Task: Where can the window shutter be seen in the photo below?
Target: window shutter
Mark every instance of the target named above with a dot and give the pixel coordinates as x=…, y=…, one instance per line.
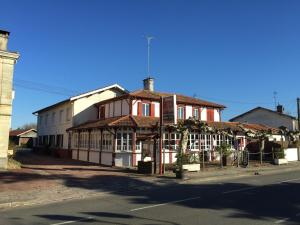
x=210, y=114
x=152, y=110
x=140, y=109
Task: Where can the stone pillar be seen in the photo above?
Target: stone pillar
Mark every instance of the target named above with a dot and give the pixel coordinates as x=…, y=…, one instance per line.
x=7, y=61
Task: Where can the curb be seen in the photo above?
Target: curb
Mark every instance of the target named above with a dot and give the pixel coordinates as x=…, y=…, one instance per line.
x=241, y=174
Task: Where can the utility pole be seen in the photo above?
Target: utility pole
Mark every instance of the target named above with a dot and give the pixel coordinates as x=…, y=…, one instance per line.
x=298, y=110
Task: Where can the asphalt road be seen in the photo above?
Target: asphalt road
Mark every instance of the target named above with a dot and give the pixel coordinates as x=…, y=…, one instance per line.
x=256, y=200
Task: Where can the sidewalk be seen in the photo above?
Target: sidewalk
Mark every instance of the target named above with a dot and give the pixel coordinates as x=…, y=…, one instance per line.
x=45, y=179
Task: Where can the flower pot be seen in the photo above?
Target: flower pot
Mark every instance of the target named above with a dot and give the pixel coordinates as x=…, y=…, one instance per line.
x=181, y=174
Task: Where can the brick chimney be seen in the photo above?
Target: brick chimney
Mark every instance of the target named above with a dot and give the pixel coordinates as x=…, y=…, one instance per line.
x=280, y=109
x=149, y=84
x=3, y=40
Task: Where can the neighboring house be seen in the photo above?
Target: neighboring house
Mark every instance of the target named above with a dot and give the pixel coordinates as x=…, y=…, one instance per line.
x=128, y=124
x=22, y=137
x=54, y=120
x=268, y=117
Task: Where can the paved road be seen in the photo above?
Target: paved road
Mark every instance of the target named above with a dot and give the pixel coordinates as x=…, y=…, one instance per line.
x=256, y=200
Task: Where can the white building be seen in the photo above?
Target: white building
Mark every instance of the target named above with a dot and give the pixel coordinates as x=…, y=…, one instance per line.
x=260, y=115
x=54, y=120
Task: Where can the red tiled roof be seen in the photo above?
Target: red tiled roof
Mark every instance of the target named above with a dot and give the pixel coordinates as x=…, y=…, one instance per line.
x=154, y=95
x=149, y=122
x=124, y=121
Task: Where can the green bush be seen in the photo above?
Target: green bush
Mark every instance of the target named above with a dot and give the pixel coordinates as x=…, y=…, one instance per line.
x=224, y=149
x=279, y=153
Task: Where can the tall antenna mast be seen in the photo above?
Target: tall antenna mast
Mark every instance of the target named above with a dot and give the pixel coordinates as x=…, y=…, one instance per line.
x=275, y=98
x=149, y=38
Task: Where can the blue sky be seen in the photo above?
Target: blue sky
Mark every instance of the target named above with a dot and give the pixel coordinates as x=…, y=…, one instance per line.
x=236, y=53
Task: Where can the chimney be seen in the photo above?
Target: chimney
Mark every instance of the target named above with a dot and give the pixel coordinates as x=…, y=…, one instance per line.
x=149, y=84
x=3, y=40
x=280, y=108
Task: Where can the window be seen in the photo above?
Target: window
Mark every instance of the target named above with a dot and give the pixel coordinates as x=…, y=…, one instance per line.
x=180, y=115
x=75, y=140
x=193, y=142
x=174, y=141
x=41, y=120
x=59, y=140
x=46, y=120
x=53, y=118
x=107, y=141
x=124, y=140
x=196, y=113
x=205, y=142
x=68, y=114
x=166, y=141
x=84, y=140
x=52, y=140
x=61, y=115
x=146, y=109
x=102, y=112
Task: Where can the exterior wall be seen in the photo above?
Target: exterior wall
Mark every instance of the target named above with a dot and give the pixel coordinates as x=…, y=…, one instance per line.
x=7, y=61
x=291, y=154
x=81, y=110
x=261, y=116
x=116, y=108
x=135, y=107
x=203, y=114
x=56, y=126
x=188, y=111
x=217, y=115
x=84, y=108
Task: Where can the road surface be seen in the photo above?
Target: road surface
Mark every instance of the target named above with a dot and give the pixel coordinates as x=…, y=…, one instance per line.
x=255, y=200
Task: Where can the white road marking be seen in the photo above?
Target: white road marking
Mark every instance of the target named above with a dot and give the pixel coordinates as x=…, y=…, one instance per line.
x=72, y=221
x=225, y=192
x=286, y=181
x=238, y=190
x=166, y=203
x=282, y=220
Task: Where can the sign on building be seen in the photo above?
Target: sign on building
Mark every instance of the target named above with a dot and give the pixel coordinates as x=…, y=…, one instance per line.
x=169, y=112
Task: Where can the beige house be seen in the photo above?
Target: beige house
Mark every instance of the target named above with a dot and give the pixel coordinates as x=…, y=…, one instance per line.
x=7, y=62
x=54, y=120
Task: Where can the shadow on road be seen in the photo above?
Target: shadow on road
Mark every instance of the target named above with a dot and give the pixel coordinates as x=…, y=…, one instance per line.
x=268, y=202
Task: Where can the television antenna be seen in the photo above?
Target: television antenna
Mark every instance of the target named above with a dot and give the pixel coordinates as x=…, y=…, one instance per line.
x=149, y=38
x=275, y=98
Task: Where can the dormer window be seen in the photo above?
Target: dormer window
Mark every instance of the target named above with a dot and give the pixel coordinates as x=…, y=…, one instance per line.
x=180, y=112
x=146, y=109
x=196, y=113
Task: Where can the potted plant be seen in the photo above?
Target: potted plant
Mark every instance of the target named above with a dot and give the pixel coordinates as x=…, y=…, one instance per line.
x=279, y=157
x=224, y=150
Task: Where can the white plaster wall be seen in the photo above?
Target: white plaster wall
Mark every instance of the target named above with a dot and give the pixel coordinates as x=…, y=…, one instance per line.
x=106, y=158
x=157, y=108
x=94, y=156
x=267, y=118
x=291, y=154
x=57, y=127
x=188, y=111
x=203, y=114
x=74, y=154
x=84, y=108
x=135, y=107
x=83, y=155
x=217, y=115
